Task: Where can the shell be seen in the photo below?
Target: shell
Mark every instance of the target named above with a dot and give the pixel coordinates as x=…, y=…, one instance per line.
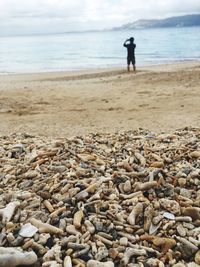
x=169, y=215
x=153, y=228
x=28, y=230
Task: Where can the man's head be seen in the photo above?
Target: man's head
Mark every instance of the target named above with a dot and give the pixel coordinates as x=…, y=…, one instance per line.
x=131, y=39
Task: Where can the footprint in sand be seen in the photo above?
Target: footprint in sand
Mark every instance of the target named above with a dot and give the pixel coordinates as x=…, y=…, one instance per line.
x=143, y=105
x=111, y=109
x=105, y=100
x=144, y=93
x=77, y=109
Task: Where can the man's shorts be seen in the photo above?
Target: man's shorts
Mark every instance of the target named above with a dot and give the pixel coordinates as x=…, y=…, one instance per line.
x=131, y=60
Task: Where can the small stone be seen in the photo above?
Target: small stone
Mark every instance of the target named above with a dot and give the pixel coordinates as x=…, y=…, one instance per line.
x=195, y=154
x=181, y=230
x=158, y=164
x=113, y=253
x=185, y=193
x=192, y=264
x=94, y=263
x=170, y=205
x=197, y=257
x=127, y=186
x=82, y=195
x=179, y=265
x=123, y=241
x=192, y=212
x=182, y=182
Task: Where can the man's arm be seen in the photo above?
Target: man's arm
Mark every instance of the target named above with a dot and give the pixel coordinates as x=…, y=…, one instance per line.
x=125, y=43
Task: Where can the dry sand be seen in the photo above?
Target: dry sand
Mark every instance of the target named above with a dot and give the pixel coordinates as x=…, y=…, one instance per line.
x=159, y=98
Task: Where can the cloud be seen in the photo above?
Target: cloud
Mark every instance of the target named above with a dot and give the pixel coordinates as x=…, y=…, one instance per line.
x=54, y=15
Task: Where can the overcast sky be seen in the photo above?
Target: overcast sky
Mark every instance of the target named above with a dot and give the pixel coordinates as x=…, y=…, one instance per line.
x=45, y=16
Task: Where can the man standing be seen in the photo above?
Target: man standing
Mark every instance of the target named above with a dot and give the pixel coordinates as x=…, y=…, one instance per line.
x=131, y=53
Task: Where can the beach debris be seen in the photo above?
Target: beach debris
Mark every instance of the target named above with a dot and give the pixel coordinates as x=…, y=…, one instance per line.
x=7, y=212
x=45, y=227
x=67, y=262
x=94, y=263
x=11, y=257
x=169, y=215
x=100, y=200
x=28, y=230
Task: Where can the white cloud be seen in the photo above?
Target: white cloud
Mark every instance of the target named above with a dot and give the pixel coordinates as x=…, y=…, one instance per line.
x=62, y=15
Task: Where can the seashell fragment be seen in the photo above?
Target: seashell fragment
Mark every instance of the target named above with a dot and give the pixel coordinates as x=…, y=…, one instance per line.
x=153, y=228
x=28, y=230
x=169, y=215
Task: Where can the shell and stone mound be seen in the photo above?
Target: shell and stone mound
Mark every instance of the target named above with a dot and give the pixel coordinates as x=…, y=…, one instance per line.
x=104, y=200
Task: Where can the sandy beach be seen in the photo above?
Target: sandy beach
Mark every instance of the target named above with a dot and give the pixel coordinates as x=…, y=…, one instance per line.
x=101, y=200
x=157, y=98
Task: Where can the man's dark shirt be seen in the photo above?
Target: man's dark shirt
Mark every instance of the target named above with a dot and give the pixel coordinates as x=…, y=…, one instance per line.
x=131, y=49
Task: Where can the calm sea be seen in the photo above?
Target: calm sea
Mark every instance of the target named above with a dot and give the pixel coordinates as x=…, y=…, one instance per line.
x=80, y=51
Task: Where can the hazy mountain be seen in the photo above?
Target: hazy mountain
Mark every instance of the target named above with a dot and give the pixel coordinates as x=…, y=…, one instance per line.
x=181, y=21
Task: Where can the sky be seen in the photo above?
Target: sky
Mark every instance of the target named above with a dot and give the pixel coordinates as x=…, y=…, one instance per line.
x=49, y=16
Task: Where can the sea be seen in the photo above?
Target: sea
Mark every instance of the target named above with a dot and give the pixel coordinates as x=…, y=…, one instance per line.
x=96, y=50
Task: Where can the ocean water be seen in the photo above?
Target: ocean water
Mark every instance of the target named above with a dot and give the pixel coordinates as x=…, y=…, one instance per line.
x=93, y=50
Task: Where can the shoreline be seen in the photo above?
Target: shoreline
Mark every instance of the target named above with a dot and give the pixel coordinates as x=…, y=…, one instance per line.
x=173, y=64
x=64, y=104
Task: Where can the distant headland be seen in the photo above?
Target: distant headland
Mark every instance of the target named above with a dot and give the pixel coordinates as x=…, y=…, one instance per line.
x=180, y=21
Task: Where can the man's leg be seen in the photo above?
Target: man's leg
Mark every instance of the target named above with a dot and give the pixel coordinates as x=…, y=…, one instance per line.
x=128, y=63
x=133, y=62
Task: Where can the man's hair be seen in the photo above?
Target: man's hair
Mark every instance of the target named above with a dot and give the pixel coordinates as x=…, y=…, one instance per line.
x=131, y=39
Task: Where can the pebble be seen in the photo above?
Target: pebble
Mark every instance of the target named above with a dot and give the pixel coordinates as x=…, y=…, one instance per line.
x=197, y=257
